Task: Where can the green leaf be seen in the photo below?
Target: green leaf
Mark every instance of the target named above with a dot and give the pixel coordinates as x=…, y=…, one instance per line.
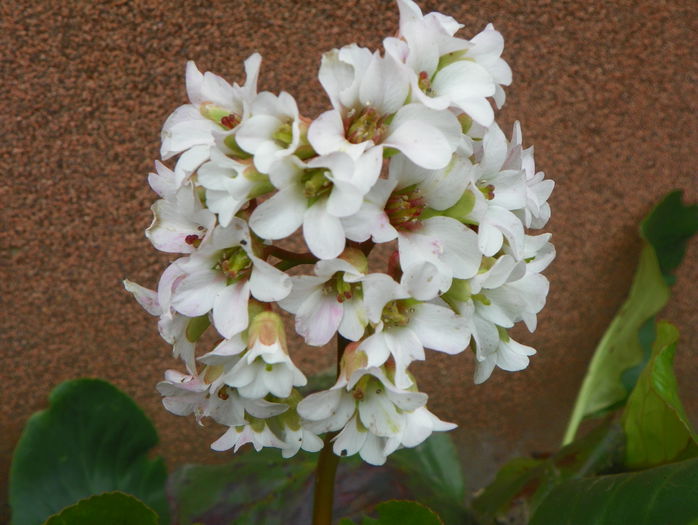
x=666, y=230
x=111, y=508
x=92, y=439
x=667, y=494
x=400, y=513
x=263, y=487
x=256, y=487
x=656, y=427
x=433, y=473
x=522, y=483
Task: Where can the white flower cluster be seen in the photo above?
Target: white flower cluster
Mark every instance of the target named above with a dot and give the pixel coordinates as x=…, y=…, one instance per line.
x=409, y=154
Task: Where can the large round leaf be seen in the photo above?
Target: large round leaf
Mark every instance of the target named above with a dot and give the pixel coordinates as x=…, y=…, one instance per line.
x=92, y=439
x=111, y=508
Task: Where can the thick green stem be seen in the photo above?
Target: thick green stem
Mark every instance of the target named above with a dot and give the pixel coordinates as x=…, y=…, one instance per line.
x=327, y=465
x=324, y=483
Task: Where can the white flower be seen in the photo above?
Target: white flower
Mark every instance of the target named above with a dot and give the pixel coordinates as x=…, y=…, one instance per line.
x=221, y=275
x=215, y=107
x=375, y=416
x=229, y=185
x=368, y=93
x=272, y=131
x=265, y=368
x=316, y=194
x=537, y=210
x=331, y=301
x=207, y=396
x=404, y=327
x=171, y=325
x=509, y=355
x=180, y=223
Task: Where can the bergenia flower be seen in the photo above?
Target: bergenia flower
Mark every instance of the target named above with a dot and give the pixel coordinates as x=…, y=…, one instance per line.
x=221, y=275
x=414, y=211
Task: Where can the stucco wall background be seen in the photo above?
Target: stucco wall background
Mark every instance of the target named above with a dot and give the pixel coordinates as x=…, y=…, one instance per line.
x=606, y=91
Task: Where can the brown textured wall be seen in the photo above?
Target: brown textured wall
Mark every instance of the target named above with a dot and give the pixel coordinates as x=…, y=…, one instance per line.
x=605, y=91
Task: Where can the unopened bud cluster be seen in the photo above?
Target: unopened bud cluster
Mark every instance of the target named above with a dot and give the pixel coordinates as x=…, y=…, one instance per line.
x=409, y=155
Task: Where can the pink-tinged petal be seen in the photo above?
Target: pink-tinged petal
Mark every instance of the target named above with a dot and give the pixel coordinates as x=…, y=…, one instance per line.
x=280, y=215
x=148, y=299
x=318, y=318
x=230, y=315
x=268, y=283
x=322, y=231
x=326, y=132
x=196, y=293
x=169, y=280
x=354, y=319
x=439, y=328
x=303, y=286
x=460, y=245
x=427, y=137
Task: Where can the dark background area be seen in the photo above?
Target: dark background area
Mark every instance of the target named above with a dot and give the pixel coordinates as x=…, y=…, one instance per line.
x=605, y=91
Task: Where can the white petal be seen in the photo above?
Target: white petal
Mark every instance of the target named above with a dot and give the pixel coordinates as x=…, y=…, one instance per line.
x=323, y=232
x=350, y=440
x=230, y=315
x=427, y=137
x=303, y=287
x=148, y=299
x=196, y=293
x=318, y=318
x=279, y=216
x=439, y=328
x=354, y=319
x=378, y=413
x=268, y=283
x=326, y=133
